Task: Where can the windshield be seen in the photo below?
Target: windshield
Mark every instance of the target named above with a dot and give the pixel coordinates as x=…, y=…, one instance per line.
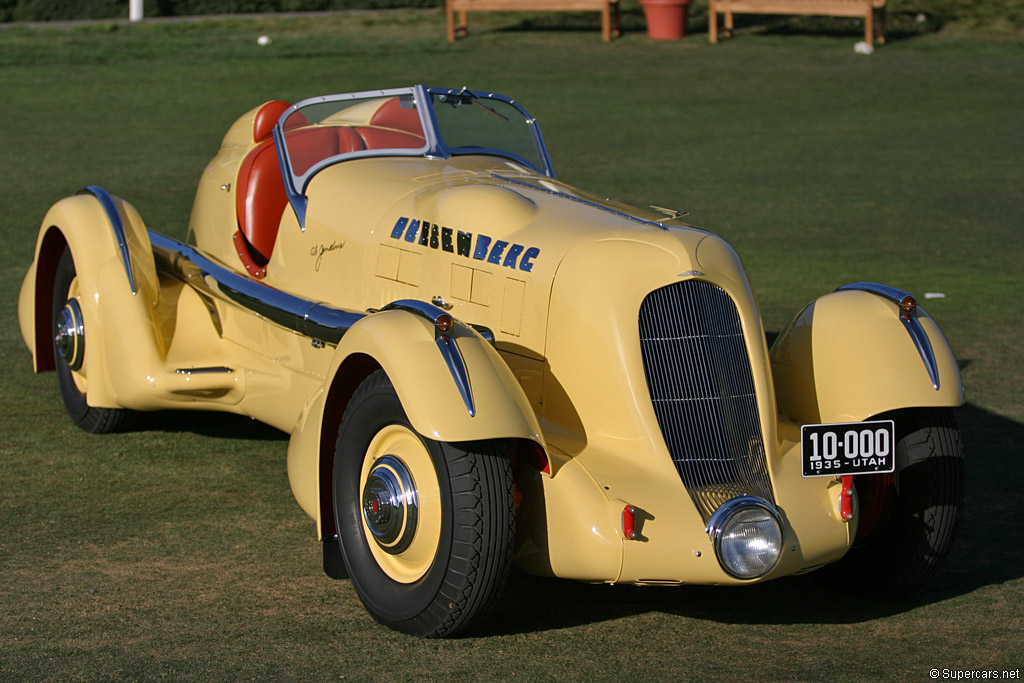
x=321, y=131
x=473, y=123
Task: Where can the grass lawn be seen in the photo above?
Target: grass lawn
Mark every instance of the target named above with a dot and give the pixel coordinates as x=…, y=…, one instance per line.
x=176, y=551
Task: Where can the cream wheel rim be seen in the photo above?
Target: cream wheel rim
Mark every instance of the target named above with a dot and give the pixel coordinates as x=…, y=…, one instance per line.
x=400, y=501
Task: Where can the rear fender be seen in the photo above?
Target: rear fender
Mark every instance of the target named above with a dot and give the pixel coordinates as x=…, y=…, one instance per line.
x=849, y=355
x=118, y=284
x=403, y=344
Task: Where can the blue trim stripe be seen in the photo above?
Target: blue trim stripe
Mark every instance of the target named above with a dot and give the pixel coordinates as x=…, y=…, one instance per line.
x=114, y=216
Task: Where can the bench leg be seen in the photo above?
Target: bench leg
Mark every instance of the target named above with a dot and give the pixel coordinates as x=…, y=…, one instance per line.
x=606, y=23
x=712, y=22
x=449, y=14
x=869, y=26
x=728, y=24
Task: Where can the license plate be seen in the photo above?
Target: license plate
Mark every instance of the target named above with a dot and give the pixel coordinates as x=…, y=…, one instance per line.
x=832, y=450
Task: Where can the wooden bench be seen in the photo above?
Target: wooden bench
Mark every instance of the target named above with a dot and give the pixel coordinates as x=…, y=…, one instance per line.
x=609, y=10
x=832, y=8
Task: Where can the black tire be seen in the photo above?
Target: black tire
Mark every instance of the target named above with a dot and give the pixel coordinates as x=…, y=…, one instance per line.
x=91, y=419
x=917, y=510
x=438, y=575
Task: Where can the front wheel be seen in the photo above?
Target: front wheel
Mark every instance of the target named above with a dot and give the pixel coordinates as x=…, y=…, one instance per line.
x=908, y=518
x=69, y=349
x=426, y=527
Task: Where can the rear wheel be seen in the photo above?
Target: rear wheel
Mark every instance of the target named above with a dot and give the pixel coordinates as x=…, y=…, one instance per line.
x=908, y=518
x=69, y=351
x=426, y=527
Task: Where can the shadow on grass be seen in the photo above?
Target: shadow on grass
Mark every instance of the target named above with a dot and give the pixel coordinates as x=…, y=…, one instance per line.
x=985, y=553
x=205, y=423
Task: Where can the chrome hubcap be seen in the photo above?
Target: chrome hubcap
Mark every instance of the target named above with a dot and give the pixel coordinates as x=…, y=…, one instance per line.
x=70, y=335
x=390, y=505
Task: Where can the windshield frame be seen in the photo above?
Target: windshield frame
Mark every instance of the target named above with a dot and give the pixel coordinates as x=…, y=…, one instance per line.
x=433, y=147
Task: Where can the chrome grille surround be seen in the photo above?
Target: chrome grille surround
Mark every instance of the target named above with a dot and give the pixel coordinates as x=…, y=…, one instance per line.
x=699, y=376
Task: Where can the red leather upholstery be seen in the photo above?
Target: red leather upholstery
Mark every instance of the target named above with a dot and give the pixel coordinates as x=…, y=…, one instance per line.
x=381, y=138
x=393, y=127
x=266, y=117
x=260, y=198
x=393, y=115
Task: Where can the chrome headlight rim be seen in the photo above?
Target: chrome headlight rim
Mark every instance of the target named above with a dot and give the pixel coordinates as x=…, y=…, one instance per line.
x=719, y=523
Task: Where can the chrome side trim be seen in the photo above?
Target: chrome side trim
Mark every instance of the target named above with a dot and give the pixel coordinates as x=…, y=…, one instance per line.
x=110, y=208
x=311, y=319
x=305, y=317
x=909, y=320
x=214, y=370
x=421, y=308
x=580, y=200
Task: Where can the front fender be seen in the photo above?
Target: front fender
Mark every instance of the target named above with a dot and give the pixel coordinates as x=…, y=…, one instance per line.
x=116, y=277
x=848, y=356
x=403, y=344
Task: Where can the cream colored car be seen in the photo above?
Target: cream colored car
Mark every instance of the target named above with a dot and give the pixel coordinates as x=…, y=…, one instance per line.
x=478, y=364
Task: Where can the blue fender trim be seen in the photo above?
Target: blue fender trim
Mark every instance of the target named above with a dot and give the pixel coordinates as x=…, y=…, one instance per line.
x=909, y=320
x=114, y=216
x=446, y=344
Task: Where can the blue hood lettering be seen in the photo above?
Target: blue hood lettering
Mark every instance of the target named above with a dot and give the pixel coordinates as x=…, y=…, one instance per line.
x=433, y=236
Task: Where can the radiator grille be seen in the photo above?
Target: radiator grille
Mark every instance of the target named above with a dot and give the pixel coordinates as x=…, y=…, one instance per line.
x=699, y=377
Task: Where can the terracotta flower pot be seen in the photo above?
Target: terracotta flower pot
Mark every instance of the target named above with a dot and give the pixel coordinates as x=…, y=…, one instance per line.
x=666, y=19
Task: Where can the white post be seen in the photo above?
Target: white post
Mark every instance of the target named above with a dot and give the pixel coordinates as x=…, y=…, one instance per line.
x=134, y=10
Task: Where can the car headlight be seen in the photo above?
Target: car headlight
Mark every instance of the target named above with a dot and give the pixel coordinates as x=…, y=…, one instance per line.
x=747, y=536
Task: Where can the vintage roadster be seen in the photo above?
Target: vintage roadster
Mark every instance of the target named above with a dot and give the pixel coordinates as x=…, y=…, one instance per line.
x=479, y=364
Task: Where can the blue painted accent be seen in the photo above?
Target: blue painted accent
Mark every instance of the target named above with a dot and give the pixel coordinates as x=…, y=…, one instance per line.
x=445, y=344
x=482, y=243
x=413, y=231
x=456, y=366
x=399, y=228
x=924, y=347
x=527, y=262
x=114, y=216
x=496, y=251
x=513, y=255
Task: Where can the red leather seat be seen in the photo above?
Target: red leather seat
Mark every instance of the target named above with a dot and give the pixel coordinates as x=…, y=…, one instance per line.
x=260, y=198
x=259, y=194
x=393, y=127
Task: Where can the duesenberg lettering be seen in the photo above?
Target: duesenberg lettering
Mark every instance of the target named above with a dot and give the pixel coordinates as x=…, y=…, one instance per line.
x=319, y=250
x=434, y=236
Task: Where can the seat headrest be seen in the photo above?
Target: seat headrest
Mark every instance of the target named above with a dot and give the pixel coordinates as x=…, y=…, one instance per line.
x=266, y=117
x=393, y=115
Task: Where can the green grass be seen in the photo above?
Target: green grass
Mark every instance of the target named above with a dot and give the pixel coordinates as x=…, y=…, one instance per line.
x=176, y=551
